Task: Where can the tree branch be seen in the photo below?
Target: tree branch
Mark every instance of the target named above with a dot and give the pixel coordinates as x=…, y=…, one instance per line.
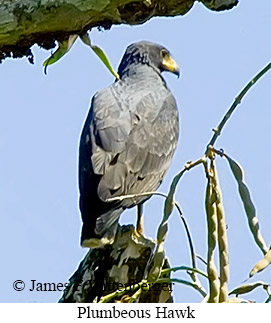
x=115, y=273
x=24, y=23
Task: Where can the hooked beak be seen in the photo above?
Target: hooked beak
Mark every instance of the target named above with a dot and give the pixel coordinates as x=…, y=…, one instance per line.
x=170, y=65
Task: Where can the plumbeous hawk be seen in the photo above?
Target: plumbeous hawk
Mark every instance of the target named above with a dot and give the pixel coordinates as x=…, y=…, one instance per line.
x=128, y=140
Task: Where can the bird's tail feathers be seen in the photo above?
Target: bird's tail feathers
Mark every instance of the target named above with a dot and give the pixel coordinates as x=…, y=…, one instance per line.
x=104, y=232
x=106, y=221
x=99, y=242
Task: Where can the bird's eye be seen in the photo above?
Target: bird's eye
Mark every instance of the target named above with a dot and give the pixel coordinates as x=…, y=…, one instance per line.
x=164, y=53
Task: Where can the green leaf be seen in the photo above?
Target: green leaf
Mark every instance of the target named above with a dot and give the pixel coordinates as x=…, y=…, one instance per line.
x=243, y=289
x=63, y=48
x=99, y=52
x=262, y=264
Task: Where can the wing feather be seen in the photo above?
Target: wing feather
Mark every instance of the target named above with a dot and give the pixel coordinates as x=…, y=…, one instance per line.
x=128, y=142
x=147, y=149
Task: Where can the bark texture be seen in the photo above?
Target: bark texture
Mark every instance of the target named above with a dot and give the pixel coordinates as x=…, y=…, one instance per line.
x=24, y=23
x=120, y=266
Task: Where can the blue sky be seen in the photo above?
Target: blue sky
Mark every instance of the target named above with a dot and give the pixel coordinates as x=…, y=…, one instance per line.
x=41, y=118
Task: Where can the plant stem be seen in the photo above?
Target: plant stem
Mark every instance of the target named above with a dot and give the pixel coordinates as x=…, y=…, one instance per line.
x=238, y=99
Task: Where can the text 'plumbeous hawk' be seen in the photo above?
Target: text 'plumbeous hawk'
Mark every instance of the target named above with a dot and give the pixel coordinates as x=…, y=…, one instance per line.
x=127, y=142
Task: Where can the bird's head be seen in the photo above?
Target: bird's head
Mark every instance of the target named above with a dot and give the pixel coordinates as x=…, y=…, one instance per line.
x=154, y=55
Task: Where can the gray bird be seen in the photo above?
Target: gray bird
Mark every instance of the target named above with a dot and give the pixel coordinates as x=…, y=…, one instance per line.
x=127, y=142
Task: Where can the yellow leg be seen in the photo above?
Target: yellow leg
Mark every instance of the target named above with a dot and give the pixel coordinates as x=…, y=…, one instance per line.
x=139, y=223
